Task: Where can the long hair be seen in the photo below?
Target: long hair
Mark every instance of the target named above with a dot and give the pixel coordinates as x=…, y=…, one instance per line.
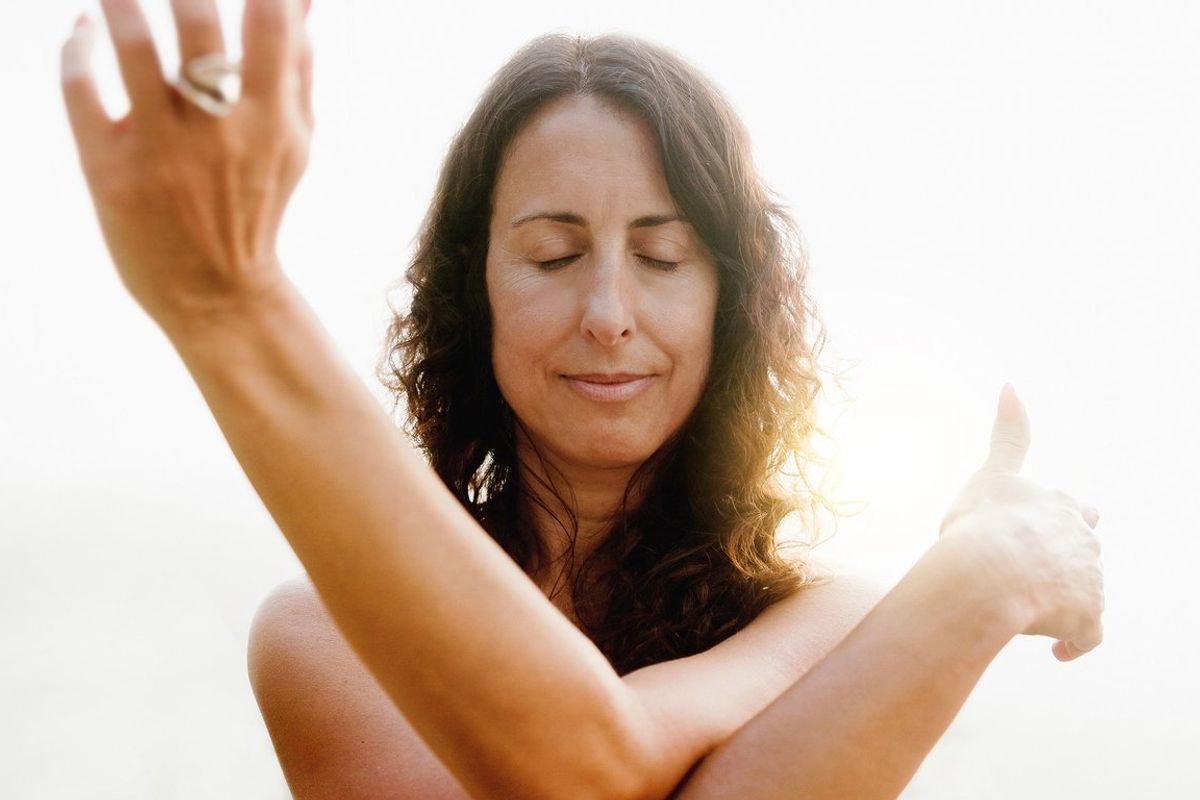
x=697, y=558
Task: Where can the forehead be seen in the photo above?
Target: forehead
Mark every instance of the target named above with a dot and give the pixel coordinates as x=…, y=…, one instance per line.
x=586, y=155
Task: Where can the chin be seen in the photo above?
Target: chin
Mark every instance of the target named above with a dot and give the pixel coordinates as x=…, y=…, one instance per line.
x=609, y=450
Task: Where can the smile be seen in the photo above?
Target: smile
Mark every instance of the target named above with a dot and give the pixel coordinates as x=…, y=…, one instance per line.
x=609, y=391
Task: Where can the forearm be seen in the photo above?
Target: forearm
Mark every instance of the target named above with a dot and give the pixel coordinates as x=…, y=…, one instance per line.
x=860, y=722
x=497, y=682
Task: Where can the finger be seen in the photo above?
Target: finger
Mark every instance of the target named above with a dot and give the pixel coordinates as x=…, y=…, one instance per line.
x=198, y=28
x=1065, y=651
x=1090, y=515
x=1010, y=433
x=136, y=55
x=269, y=42
x=306, y=59
x=1070, y=650
x=85, y=111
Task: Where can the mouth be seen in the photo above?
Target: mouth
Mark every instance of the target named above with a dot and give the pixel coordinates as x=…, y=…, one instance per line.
x=609, y=388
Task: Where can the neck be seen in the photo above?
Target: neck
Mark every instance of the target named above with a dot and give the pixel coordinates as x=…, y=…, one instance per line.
x=590, y=494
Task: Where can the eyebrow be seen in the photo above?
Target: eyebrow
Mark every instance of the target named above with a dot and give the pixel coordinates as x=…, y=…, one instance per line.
x=574, y=219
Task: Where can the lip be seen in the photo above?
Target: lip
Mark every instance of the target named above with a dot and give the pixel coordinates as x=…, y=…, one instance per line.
x=612, y=388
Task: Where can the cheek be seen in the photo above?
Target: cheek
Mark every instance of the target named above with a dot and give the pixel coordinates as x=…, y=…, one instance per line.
x=526, y=316
x=686, y=321
x=528, y=323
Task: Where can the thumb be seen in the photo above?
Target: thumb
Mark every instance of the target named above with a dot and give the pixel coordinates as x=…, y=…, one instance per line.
x=1010, y=433
x=1065, y=651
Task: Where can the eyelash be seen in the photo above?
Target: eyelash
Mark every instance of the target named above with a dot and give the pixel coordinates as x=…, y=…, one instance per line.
x=665, y=266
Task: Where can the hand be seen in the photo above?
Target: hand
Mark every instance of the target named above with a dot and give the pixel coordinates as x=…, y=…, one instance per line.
x=190, y=203
x=1036, y=541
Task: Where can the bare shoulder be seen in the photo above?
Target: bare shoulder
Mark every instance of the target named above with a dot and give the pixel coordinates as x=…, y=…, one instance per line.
x=833, y=590
x=337, y=734
x=335, y=731
x=801, y=628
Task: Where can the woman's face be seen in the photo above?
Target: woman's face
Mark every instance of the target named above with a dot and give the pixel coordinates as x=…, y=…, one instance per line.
x=603, y=352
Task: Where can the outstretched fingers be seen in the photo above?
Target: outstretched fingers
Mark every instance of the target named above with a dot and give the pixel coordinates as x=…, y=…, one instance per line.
x=271, y=46
x=198, y=28
x=89, y=121
x=306, y=63
x=137, y=56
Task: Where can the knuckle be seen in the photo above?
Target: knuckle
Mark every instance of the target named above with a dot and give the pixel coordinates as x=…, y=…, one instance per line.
x=227, y=143
x=1097, y=599
x=1065, y=499
x=127, y=30
x=1009, y=437
x=1068, y=516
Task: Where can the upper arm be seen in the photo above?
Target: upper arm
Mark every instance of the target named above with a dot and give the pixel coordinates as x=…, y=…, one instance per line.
x=690, y=705
x=335, y=731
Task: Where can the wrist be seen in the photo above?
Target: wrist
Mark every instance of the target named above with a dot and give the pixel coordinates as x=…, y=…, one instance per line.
x=215, y=315
x=980, y=578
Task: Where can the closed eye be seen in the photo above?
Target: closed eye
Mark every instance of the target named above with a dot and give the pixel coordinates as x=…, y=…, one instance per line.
x=666, y=266
x=558, y=262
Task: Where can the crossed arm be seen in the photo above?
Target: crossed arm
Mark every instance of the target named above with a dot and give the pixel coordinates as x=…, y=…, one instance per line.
x=379, y=534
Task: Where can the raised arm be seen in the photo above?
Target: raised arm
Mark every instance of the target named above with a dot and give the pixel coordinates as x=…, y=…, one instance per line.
x=509, y=695
x=494, y=678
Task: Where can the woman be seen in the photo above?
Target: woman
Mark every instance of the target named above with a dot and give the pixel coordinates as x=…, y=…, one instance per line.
x=605, y=363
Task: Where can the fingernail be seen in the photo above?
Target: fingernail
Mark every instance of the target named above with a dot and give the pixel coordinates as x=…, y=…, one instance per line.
x=84, y=28
x=75, y=51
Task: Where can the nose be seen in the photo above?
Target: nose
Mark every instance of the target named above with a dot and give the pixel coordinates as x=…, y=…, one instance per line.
x=608, y=304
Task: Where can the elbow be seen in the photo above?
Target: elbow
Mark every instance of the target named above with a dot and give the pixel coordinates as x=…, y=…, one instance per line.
x=616, y=766
x=625, y=780
x=587, y=778
x=618, y=784
x=591, y=756
x=632, y=769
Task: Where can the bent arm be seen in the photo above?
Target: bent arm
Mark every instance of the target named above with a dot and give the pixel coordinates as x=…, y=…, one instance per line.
x=861, y=721
x=510, y=696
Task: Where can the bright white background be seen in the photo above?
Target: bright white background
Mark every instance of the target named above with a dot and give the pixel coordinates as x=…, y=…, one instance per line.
x=991, y=192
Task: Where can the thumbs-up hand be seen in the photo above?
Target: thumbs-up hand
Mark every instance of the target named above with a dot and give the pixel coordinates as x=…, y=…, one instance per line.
x=1036, y=544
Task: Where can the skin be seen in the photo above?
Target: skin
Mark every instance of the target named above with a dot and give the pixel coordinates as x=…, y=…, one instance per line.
x=506, y=694
x=623, y=299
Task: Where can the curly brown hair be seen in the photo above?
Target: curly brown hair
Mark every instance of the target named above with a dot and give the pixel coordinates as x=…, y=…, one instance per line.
x=698, y=557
